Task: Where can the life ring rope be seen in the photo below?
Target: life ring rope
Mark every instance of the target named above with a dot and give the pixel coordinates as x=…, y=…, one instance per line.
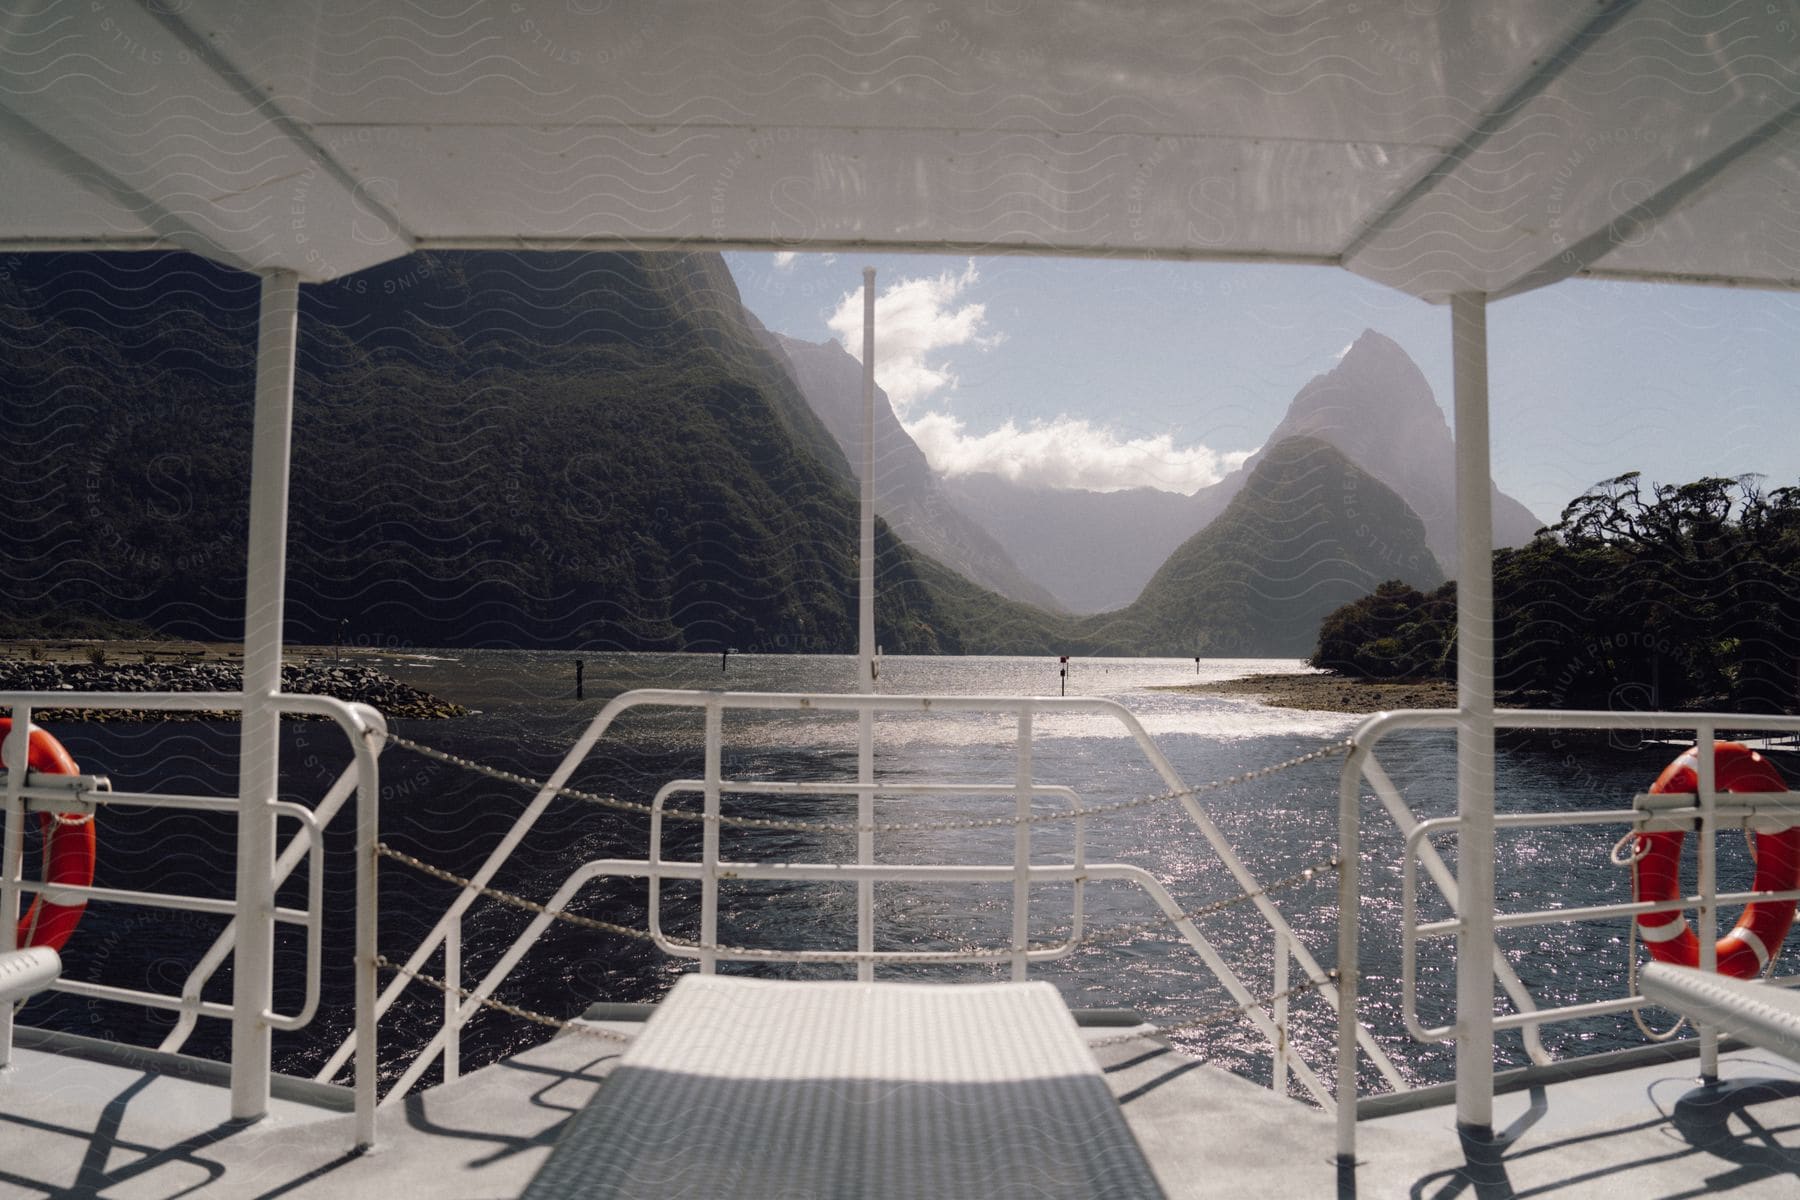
x=1637, y=1014
x=1621, y=857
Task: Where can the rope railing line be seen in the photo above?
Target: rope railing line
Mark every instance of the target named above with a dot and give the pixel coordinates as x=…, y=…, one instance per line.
x=1217, y=1017
x=1302, y=876
x=1125, y=929
x=1305, y=875
x=587, y=1029
x=511, y=898
x=676, y=814
x=511, y=1010
x=643, y=935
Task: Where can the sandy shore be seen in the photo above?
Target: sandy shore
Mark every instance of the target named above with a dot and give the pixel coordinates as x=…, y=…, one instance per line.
x=1332, y=693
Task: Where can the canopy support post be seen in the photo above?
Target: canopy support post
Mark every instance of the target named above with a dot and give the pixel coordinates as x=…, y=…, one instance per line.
x=1475, y=730
x=865, y=644
x=259, y=753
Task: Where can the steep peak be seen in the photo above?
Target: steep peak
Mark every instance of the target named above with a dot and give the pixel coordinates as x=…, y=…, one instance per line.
x=1377, y=408
x=1374, y=381
x=1371, y=343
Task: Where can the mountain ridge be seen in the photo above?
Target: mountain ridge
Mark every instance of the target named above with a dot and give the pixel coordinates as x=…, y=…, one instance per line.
x=1093, y=551
x=909, y=495
x=1307, y=533
x=581, y=449
x=584, y=450
x=1406, y=442
x=1373, y=404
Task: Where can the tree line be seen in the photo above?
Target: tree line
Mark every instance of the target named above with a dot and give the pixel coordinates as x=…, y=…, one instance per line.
x=1640, y=597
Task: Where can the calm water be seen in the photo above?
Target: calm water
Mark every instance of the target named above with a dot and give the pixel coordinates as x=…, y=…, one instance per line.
x=527, y=717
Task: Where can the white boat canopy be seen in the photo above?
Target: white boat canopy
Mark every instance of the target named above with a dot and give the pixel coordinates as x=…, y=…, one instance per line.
x=1437, y=146
x=1457, y=150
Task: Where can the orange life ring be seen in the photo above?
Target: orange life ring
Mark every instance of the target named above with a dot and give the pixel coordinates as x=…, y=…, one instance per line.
x=69, y=848
x=1745, y=951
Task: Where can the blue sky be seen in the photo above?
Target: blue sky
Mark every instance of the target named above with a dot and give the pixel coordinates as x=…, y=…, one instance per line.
x=1082, y=372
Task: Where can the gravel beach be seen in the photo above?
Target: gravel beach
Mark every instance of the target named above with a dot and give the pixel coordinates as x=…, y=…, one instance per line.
x=1325, y=692
x=71, y=666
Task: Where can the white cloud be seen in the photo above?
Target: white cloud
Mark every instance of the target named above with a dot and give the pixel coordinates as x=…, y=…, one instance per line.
x=1069, y=452
x=914, y=319
x=784, y=259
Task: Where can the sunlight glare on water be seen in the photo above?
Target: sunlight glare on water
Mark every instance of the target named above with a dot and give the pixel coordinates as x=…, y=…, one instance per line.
x=527, y=717
x=1276, y=826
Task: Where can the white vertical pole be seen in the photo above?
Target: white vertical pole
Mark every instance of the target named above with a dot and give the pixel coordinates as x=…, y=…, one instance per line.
x=709, y=838
x=1280, y=985
x=1706, y=924
x=1021, y=930
x=865, y=645
x=259, y=761
x=452, y=1001
x=865, y=595
x=368, y=791
x=17, y=754
x=1475, y=732
x=1349, y=956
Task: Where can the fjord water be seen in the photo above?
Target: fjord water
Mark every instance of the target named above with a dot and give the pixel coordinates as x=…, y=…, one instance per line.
x=527, y=716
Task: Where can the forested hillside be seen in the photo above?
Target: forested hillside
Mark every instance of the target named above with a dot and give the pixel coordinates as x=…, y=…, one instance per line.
x=489, y=449
x=567, y=450
x=1640, y=597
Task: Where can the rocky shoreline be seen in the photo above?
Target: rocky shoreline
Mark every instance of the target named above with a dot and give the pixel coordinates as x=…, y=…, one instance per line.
x=357, y=683
x=1326, y=692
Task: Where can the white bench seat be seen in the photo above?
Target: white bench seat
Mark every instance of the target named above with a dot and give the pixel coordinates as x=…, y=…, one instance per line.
x=25, y=972
x=740, y=1087
x=1759, y=1013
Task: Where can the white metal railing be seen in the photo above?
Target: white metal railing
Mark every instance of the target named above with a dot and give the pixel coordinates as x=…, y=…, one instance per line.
x=1706, y=811
x=49, y=793
x=1411, y=933
x=1272, y=1027
x=712, y=869
x=366, y=733
x=216, y=954
x=25, y=791
x=864, y=872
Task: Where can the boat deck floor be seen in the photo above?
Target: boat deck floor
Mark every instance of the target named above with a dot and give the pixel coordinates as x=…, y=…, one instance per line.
x=70, y=1127
x=73, y=1127
x=1642, y=1132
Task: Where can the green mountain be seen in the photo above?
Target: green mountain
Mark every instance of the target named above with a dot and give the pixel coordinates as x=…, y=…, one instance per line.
x=1308, y=532
x=575, y=450
x=587, y=450
x=909, y=495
